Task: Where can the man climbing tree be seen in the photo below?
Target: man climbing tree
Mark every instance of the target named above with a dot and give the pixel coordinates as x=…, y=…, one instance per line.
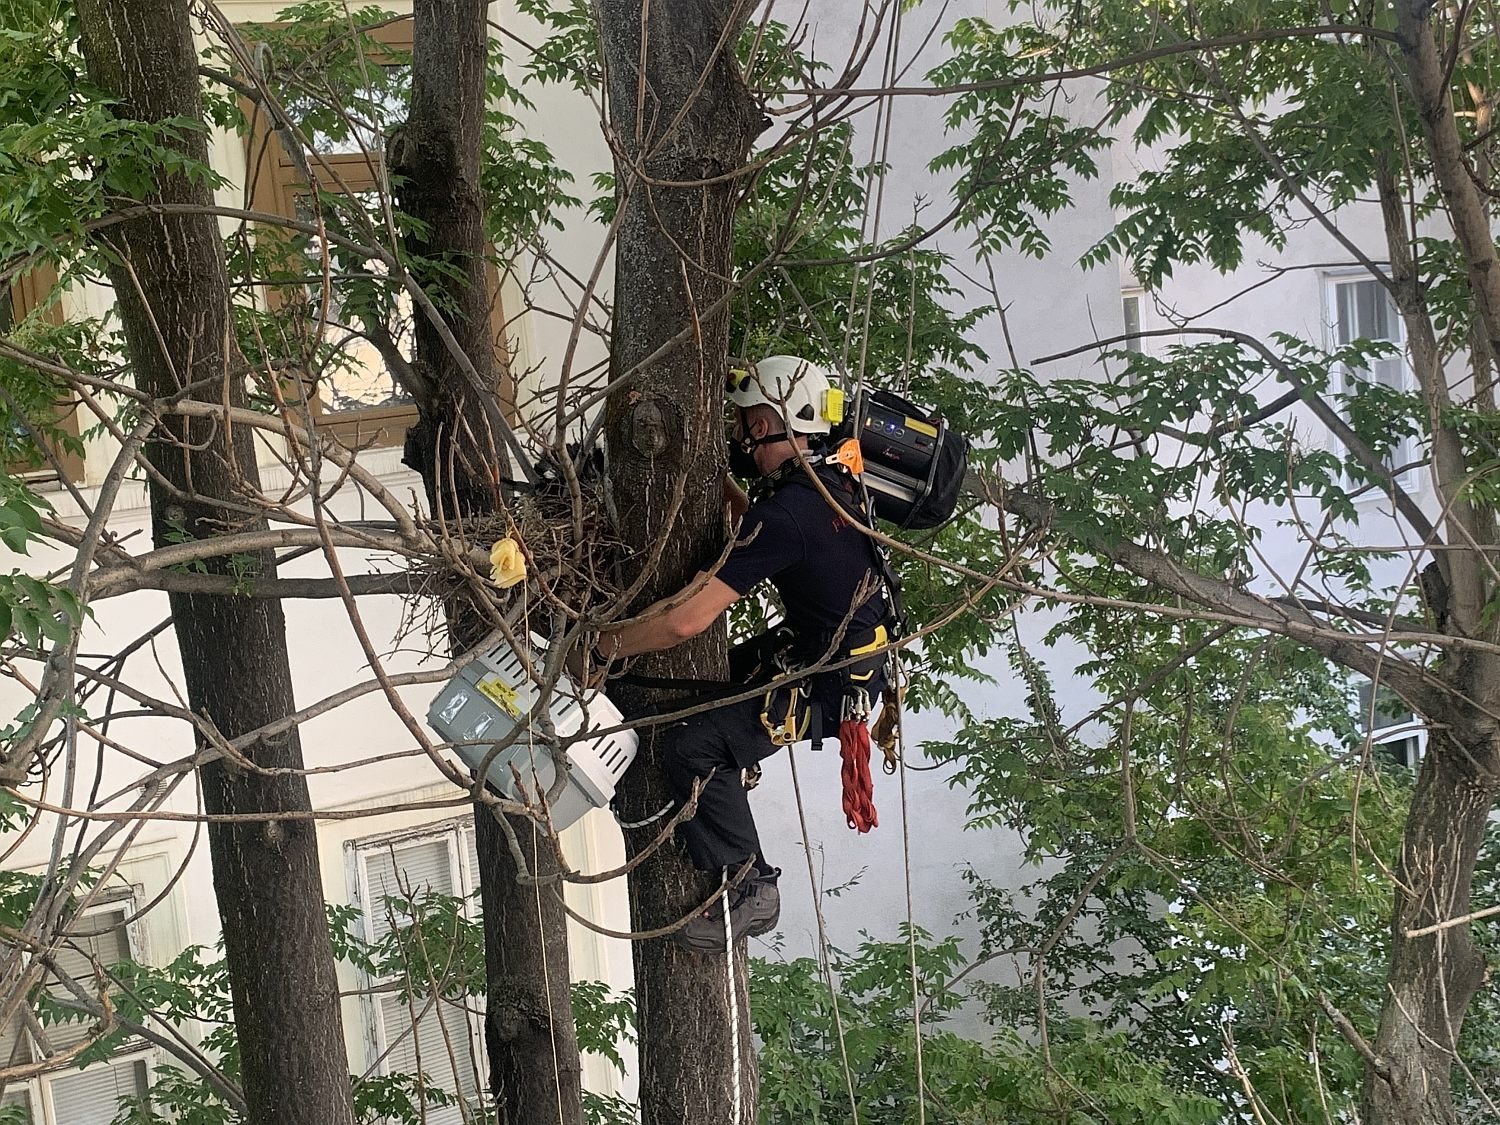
x=828, y=576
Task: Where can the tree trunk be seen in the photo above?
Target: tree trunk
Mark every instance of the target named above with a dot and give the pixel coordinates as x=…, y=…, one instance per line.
x=535, y=1072
x=1432, y=978
x=679, y=112
x=173, y=298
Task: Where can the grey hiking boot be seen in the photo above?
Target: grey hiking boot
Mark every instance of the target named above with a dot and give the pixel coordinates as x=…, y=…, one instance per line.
x=755, y=911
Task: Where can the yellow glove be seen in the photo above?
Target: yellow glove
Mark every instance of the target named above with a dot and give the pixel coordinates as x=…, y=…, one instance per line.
x=507, y=563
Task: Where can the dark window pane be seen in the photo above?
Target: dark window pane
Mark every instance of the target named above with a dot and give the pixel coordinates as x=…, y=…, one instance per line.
x=1132, y=311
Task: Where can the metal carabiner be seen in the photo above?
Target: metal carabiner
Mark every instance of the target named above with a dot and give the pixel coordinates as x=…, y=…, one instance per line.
x=785, y=731
x=856, y=705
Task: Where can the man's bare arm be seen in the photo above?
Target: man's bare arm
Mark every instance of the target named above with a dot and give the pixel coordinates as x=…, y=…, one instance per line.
x=661, y=628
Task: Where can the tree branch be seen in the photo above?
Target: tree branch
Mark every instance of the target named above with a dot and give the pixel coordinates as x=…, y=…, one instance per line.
x=1326, y=414
x=187, y=582
x=1405, y=677
x=1166, y=50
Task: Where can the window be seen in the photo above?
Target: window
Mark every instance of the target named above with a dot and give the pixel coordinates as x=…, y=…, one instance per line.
x=1362, y=309
x=68, y=1095
x=1130, y=304
x=430, y=1031
x=352, y=348
x=24, y=308
x=1397, y=736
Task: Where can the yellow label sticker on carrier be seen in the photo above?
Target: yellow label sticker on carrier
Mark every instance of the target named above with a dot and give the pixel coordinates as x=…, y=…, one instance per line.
x=503, y=694
x=920, y=426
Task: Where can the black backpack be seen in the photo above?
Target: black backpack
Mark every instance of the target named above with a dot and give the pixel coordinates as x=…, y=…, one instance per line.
x=914, y=464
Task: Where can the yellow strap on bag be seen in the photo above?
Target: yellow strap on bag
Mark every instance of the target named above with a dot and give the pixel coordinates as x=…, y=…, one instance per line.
x=880, y=641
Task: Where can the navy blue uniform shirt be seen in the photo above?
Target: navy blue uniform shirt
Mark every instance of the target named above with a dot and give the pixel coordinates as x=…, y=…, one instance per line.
x=817, y=560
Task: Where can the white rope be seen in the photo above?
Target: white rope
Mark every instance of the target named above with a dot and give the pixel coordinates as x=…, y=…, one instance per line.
x=652, y=819
x=824, y=962
x=892, y=50
x=731, y=995
x=869, y=226
x=911, y=933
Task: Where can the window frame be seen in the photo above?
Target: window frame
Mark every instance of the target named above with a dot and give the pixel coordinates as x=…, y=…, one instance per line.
x=276, y=185
x=38, y=1089
x=29, y=293
x=1133, y=341
x=1388, y=732
x=458, y=835
x=1407, y=452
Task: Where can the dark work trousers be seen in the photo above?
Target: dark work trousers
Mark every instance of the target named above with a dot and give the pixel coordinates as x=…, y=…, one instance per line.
x=721, y=742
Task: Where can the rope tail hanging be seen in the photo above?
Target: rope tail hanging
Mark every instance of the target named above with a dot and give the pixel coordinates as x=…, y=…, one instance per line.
x=911, y=923
x=732, y=995
x=859, y=788
x=886, y=733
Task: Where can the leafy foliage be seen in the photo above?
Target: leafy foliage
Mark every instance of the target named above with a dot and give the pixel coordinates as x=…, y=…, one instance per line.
x=1087, y=1075
x=30, y=608
x=1211, y=837
x=434, y=948
x=65, y=159
x=35, y=610
x=1016, y=165
x=1253, y=891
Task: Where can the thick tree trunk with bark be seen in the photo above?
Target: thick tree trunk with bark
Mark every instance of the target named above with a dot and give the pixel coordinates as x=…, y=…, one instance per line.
x=173, y=299
x=1432, y=977
x=535, y=1072
x=679, y=112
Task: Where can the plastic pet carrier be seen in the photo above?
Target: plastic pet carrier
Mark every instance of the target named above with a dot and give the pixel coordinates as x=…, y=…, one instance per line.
x=493, y=696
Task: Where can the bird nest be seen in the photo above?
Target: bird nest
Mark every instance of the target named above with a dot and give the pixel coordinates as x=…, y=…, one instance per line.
x=564, y=535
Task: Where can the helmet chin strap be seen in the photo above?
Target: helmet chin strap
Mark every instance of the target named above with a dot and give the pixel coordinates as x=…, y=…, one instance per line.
x=749, y=443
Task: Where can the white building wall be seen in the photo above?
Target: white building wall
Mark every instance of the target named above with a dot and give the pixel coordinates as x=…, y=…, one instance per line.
x=1052, y=305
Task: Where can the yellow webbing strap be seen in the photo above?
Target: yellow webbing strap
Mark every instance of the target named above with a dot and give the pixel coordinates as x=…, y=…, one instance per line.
x=881, y=638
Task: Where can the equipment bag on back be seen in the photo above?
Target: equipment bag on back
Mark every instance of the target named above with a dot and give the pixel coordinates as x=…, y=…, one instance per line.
x=914, y=465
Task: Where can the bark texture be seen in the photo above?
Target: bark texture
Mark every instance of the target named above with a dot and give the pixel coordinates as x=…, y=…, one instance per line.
x=535, y=1072
x=173, y=300
x=679, y=112
x=1432, y=978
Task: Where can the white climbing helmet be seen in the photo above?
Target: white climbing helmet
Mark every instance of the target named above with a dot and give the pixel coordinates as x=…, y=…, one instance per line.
x=797, y=388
